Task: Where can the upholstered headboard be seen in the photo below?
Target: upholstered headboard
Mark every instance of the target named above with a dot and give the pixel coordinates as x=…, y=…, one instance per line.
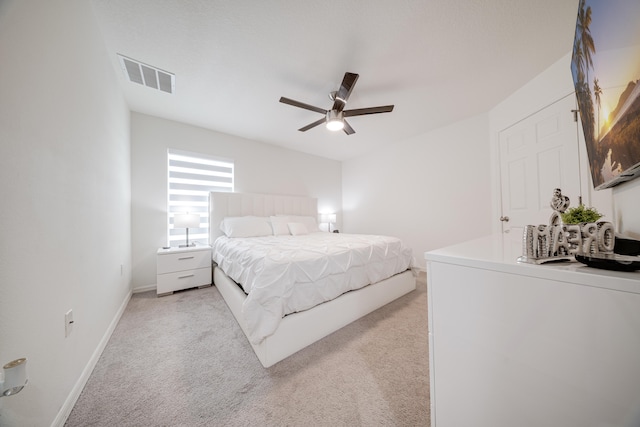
x=241, y=204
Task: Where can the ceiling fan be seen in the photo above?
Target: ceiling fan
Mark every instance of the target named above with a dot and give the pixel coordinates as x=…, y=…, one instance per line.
x=335, y=117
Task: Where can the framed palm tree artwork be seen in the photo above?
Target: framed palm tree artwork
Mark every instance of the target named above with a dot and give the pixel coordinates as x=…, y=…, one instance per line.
x=605, y=66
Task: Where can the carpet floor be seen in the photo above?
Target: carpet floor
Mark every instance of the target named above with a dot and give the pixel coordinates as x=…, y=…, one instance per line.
x=182, y=360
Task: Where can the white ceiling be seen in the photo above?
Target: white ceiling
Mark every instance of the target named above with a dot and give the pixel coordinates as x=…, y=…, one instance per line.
x=437, y=61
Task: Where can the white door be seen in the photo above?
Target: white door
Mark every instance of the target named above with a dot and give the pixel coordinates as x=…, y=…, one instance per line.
x=537, y=155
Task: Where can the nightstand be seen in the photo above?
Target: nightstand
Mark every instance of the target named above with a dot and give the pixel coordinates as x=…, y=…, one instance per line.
x=183, y=268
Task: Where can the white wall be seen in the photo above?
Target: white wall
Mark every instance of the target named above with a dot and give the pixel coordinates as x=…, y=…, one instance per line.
x=432, y=190
x=259, y=168
x=64, y=201
x=626, y=204
x=620, y=204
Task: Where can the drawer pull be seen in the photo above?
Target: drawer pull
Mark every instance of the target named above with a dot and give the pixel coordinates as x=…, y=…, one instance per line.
x=186, y=257
x=188, y=275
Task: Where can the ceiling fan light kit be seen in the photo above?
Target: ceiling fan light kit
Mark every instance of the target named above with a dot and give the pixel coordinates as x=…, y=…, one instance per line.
x=334, y=118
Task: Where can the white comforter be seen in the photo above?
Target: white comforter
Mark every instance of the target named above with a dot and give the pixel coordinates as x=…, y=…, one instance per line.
x=286, y=274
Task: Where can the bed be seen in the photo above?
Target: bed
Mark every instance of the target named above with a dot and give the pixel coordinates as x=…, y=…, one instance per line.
x=283, y=328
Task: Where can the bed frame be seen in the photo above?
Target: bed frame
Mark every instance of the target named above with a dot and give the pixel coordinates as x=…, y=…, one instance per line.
x=297, y=330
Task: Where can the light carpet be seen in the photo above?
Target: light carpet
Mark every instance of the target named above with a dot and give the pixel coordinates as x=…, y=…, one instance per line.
x=182, y=360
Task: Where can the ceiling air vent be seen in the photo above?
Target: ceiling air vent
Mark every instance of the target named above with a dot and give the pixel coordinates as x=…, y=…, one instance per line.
x=147, y=75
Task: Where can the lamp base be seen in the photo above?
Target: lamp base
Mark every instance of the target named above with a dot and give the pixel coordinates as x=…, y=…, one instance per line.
x=187, y=241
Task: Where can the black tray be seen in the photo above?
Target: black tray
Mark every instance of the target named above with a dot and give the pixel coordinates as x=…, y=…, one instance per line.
x=611, y=261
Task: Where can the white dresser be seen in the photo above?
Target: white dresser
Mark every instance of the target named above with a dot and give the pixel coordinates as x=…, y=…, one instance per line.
x=183, y=268
x=524, y=345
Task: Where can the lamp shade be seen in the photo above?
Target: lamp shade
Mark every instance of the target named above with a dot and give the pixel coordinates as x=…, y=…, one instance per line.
x=186, y=220
x=328, y=217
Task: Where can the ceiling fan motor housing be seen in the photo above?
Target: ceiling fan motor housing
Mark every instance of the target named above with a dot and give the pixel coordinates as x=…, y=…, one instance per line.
x=333, y=95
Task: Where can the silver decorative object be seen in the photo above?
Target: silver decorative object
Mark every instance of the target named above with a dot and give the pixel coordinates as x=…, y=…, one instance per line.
x=560, y=242
x=559, y=204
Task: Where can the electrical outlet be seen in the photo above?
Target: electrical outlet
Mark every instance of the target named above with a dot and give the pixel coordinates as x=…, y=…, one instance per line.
x=68, y=323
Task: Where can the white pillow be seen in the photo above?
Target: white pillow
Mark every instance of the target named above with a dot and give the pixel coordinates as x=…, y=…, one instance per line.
x=279, y=225
x=310, y=222
x=246, y=226
x=298, y=228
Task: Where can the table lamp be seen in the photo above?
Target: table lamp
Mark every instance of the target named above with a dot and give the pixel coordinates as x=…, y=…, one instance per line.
x=186, y=220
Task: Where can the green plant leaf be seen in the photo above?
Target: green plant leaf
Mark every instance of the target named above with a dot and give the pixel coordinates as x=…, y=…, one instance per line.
x=580, y=214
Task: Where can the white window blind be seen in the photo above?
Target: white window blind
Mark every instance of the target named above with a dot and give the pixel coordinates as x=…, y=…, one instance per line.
x=191, y=177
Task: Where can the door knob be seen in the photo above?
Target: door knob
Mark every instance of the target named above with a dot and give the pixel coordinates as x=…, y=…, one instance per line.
x=504, y=218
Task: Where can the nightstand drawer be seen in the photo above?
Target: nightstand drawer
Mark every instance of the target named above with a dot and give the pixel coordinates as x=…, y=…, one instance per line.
x=180, y=261
x=170, y=282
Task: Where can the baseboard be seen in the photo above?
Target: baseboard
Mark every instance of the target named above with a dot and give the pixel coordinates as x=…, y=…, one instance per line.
x=145, y=288
x=71, y=400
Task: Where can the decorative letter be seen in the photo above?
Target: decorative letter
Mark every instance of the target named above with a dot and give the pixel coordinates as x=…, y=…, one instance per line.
x=560, y=244
x=606, y=237
x=574, y=238
x=590, y=238
x=541, y=242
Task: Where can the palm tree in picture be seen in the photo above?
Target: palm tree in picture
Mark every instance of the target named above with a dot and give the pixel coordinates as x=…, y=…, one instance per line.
x=597, y=91
x=578, y=60
x=587, y=46
x=582, y=60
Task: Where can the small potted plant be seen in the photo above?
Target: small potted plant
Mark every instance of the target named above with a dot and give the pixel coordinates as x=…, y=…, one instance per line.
x=580, y=215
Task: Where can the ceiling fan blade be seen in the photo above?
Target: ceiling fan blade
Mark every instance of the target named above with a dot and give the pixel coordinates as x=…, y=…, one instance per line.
x=312, y=125
x=302, y=105
x=347, y=128
x=343, y=94
x=370, y=110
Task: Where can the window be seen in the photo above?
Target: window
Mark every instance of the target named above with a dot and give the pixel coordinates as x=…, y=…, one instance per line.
x=191, y=177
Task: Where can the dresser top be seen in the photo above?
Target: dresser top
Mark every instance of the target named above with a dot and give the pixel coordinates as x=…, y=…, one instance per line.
x=500, y=252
